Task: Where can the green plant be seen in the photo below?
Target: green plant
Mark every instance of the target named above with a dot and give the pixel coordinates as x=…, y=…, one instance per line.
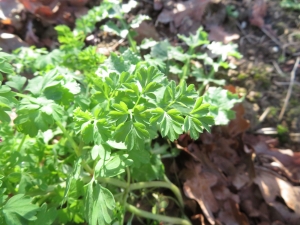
x=76, y=139
x=124, y=29
x=290, y=4
x=200, y=64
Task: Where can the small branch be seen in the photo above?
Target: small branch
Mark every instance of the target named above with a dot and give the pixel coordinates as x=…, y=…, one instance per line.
x=160, y=218
x=289, y=92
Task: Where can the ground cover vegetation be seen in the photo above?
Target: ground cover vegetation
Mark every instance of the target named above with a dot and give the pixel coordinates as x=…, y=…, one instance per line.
x=145, y=133
x=85, y=123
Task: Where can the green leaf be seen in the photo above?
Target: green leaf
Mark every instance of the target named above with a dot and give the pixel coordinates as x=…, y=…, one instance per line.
x=221, y=102
x=5, y=67
x=198, y=119
x=37, y=114
x=135, y=23
x=170, y=122
x=99, y=203
x=120, y=114
x=200, y=38
x=133, y=134
x=224, y=51
x=117, y=64
x=103, y=151
x=153, y=170
x=91, y=129
x=139, y=157
x=7, y=100
x=19, y=209
x=44, y=216
x=160, y=50
x=16, y=82
x=114, y=166
x=113, y=28
x=150, y=79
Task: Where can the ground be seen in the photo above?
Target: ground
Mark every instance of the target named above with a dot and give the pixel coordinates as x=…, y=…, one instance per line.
x=238, y=174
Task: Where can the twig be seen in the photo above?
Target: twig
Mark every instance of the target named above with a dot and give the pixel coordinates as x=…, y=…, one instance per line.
x=277, y=68
x=265, y=113
x=289, y=92
x=271, y=36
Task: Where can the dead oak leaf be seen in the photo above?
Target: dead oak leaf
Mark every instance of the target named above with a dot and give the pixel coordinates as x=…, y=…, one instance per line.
x=230, y=214
x=198, y=187
x=217, y=33
x=272, y=187
x=259, y=11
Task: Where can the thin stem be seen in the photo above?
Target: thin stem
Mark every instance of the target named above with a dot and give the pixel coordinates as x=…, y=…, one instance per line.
x=161, y=218
x=186, y=67
x=112, y=181
x=21, y=143
x=130, y=39
x=141, y=185
x=126, y=192
x=75, y=147
x=70, y=139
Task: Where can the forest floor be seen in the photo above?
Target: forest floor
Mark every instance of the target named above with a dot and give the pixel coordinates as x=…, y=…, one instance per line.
x=247, y=172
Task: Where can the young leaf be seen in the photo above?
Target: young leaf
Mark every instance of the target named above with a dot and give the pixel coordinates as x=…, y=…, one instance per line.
x=113, y=167
x=16, y=82
x=221, y=102
x=138, y=20
x=19, y=209
x=37, y=114
x=198, y=119
x=133, y=134
x=99, y=203
x=113, y=28
x=6, y=101
x=200, y=38
x=91, y=129
x=120, y=114
x=169, y=122
x=44, y=216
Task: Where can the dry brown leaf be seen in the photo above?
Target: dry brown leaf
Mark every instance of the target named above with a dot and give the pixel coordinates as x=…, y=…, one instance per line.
x=146, y=30
x=184, y=15
x=8, y=11
x=239, y=124
x=198, y=187
x=272, y=187
x=10, y=42
x=231, y=215
x=259, y=11
x=217, y=33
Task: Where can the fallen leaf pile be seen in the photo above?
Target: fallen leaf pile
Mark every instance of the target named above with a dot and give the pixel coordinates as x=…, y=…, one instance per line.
x=238, y=178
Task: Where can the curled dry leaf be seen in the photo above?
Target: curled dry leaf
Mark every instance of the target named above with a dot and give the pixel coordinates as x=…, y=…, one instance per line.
x=273, y=186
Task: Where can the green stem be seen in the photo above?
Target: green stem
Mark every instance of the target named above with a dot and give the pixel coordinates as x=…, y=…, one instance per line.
x=141, y=185
x=186, y=67
x=161, y=218
x=113, y=181
x=70, y=139
x=21, y=143
x=126, y=192
x=75, y=147
x=130, y=39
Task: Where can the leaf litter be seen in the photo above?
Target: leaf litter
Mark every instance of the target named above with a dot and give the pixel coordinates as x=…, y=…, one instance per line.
x=235, y=178
x=238, y=178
